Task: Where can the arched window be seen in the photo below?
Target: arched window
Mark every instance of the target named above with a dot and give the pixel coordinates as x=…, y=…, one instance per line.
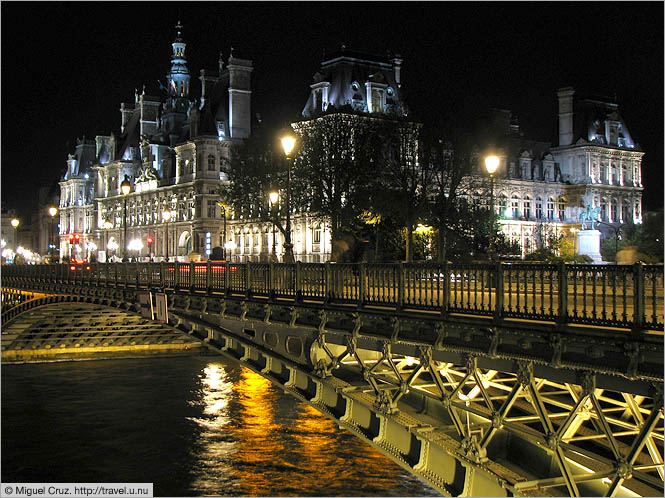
x=562, y=208
x=539, y=208
x=614, y=211
x=515, y=206
x=527, y=207
x=550, y=208
x=211, y=163
x=625, y=211
x=603, y=209
x=503, y=204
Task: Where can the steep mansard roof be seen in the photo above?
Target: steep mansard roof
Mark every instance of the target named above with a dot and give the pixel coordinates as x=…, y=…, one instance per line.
x=347, y=72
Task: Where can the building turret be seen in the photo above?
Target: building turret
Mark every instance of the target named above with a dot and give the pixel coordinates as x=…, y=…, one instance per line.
x=177, y=104
x=178, y=77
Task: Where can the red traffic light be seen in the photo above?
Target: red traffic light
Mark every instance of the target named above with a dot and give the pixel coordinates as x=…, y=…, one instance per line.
x=77, y=238
x=149, y=240
x=71, y=238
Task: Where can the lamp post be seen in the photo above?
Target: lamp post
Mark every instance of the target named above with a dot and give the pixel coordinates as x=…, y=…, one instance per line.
x=166, y=216
x=223, y=208
x=125, y=188
x=15, y=223
x=52, y=211
x=107, y=226
x=491, y=164
x=288, y=143
x=574, y=231
x=274, y=197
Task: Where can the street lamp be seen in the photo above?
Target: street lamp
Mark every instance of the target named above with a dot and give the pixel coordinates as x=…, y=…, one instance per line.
x=222, y=206
x=107, y=225
x=125, y=188
x=166, y=216
x=52, y=211
x=574, y=231
x=491, y=164
x=136, y=245
x=15, y=223
x=274, y=197
x=288, y=143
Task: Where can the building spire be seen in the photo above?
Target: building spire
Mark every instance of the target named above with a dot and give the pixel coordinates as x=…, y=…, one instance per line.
x=178, y=77
x=178, y=28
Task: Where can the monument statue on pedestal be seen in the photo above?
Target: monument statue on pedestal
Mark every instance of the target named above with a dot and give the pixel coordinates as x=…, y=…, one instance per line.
x=588, y=239
x=590, y=216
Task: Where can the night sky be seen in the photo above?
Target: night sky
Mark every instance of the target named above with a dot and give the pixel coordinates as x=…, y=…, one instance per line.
x=67, y=67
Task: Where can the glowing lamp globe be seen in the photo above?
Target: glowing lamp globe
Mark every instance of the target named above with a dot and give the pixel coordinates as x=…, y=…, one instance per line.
x=288, y=143
x=491, y=164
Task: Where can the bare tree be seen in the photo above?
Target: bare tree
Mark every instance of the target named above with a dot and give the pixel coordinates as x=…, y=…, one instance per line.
x=333, y=167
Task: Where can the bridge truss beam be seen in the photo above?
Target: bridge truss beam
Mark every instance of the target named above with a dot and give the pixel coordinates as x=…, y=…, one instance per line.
x=472, y=411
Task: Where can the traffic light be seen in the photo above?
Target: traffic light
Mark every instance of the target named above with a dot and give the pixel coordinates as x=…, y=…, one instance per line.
x=71, y=238
x=149, y=240
x=77, y=238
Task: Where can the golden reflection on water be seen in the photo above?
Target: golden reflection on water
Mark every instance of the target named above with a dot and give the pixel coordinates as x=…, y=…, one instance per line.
x=259, y=442
x=212, y=455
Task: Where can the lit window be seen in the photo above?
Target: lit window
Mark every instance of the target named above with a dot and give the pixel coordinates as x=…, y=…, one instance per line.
x=212, y=209
x=515, y=205
x=562, y=208
x=527, y=207
x=376, y=100
x=539, y=208
x=550, y=208
x=625, y=215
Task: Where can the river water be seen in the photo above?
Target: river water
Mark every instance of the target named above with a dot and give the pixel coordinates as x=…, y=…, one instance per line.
x=191, y=425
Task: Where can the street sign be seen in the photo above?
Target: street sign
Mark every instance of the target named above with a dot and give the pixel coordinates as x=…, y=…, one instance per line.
x=145, y=300
x=162, y=311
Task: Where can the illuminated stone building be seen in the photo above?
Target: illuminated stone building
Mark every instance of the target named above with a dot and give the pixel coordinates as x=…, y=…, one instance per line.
x=542, y=190
x=172, y=149
x=368, y=86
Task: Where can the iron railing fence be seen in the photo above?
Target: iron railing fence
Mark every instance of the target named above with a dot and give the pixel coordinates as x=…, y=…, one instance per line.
x=626, y=296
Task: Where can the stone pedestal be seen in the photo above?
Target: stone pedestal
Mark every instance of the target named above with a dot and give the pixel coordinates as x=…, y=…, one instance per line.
x=588, y=242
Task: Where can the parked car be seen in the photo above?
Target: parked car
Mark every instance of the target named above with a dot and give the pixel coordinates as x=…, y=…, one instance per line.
x=79, y=265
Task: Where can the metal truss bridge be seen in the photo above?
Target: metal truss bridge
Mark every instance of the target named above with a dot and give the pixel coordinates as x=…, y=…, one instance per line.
x=483, y=380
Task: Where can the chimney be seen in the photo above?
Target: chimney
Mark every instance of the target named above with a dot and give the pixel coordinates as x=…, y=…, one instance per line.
x=565, y=115
x=397, y=67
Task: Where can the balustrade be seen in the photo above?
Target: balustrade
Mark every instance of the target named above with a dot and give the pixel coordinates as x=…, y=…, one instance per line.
x=625, y=296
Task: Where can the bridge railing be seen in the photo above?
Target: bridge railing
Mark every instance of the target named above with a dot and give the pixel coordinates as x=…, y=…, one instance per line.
x=626, y=296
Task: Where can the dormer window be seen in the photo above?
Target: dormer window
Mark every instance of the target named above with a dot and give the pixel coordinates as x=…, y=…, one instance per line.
x=320, y=96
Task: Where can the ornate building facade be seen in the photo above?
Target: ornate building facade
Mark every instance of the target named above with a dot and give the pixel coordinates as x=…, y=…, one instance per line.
x=542, y=190
x=172, y=150
x=369, y=87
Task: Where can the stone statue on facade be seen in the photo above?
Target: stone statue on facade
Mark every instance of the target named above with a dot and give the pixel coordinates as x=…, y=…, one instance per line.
x=591, y=215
